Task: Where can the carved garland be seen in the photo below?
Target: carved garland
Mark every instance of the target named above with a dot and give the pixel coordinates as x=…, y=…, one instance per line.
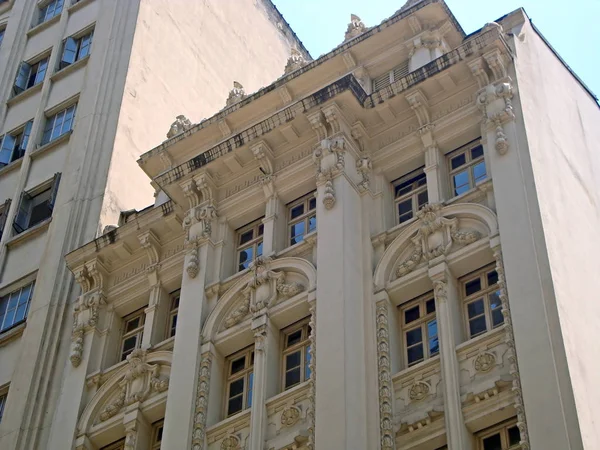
x=512, y=352
x=202, y=402
x=385, y=378
x=328, y=158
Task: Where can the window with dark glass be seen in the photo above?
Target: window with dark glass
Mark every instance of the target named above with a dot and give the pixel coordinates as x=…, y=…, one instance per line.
x=503, y=437
x=296, y=354
x=75, y=49
x=13, y=145
x=239, y=381
x=483, y=307
x=157, y=435
x=59, y=124
x=249, y=243
x=133, y=331
x=14, y=307
x=467, y=168
x=419, y=330
x=410, y=195
x=173, y=313
x=36, y=206
x=30, y=74
x=50, y=9
x=302, y=217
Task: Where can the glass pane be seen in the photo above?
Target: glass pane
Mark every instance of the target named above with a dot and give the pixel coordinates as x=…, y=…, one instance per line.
x=411, y=314
x=479, y=173
x=405, y=217
x=129, y=345
x=68, y=122
x=497, y=317
x=312, y=223
x=477, y=326
x=297, y=233
x=475, y=308
x=492, y=278
x=292, y=360
x=405, y=206
x=297, y=211
x=261, y=229
x=250, y=390
x=60, y=117
x=294, y=338
x=132, y=325
x=514, y=436
x=173, y=325
x=458, y=161
x=234, y=405
x=246, y=237
x=244, y=258
x=422, y=199
x=9, y=318
x=414, y=336
x=292, y=377
x=236, y=387
x=415, y=354
x=473, y=286
x=21, y=312
x=476, y=152
x=492, y=442
x=461, y=182
x=259, y=249
x=312, y=204
x=41, y=71
x=307, y=358
x=430, y=306
x=432, y=335
x=237, y=365
x=403, y=189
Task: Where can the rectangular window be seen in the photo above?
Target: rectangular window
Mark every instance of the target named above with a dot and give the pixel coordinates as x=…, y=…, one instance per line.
x=2, y=404
x=50, y=10
x=302, y=217
x=36, y=207
x=30, y=74
x=173, y=313
x=2, y=35
x=133, y=330
x=249, y=243
x=157, y=434
x=467, y=167
x=59, y=124
x=240, y=377
x=296, y=354
x=483, y=307
x=13, y=145
x=390, y=77
x=75, y=49
x=502, y=437
x=410, y=195
x=14, y=307
x=419, y=330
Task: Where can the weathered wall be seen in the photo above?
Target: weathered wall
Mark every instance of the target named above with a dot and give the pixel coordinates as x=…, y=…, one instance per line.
x=562, y=119
x=185, y=58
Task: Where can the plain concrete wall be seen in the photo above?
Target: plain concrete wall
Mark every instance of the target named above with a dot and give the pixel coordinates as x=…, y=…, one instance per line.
x=562, y=120
x=184, y=60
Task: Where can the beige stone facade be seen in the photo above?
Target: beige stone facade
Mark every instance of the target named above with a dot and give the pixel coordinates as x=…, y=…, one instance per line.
x=389, y=247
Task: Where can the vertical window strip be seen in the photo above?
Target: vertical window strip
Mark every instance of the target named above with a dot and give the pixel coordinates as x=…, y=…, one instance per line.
x=481, y=299
x=410, y=195
x=296, y=354
x=302, y=218
x=419, y=330
x=467, y=167
x=133, y=330
x=58, y=124
x=240, y=380
x=249, y=243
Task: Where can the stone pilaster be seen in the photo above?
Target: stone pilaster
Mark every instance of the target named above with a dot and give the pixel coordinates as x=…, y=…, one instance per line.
x=137, y=430
x=156, y=315
x=448, y=314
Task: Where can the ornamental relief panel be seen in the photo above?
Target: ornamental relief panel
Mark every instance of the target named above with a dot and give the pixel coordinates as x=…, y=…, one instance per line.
x=287, y=418
x=232, y=436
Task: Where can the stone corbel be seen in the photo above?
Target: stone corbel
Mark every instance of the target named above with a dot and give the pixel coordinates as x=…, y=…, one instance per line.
x=206, y=186
x=477, y=67
x=150, y=242
x=419, y=104
x=496, y=61
x=265, y=157
x=360, y=135
x=191, y=193
x=495, y=102
x=317, y=122
x=364, y=167
x=328, y=158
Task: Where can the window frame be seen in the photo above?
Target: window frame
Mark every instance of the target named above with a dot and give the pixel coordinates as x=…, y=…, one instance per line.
x=175, y=298
x=2, y=33
x=4, y=208
x=484, y=293
x=45, y=6
x=22, y=220
x=20, y=136
x=305, y=217
x=410, y=179
x=502, y=429
x=469, y=165
x=247, y=374
x=25, y=70
x=5, y=306
x=138, y=332
x=76, y=40
x=422, y=322
x=303, y=346
x=50, y=130
x=257, y=228
x=157, y=434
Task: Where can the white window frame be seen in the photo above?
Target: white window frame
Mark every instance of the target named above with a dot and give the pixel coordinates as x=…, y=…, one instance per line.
x=73, y=45
x=173, y=311
x=256, y=243
x=137, y=332
x=303, y=346
x=308, y=214
x=45, y=7
x=502, y=430
x=11, y=302
x=247, y=373
x=469, y=166
x=20, y=138
x=25, y=70
x=417, y=182
x=422, y=323
x=489, y=295
x=54, y=119
x=46, y=192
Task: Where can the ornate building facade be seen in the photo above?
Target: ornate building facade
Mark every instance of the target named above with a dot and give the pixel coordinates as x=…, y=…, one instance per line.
x=368, y=253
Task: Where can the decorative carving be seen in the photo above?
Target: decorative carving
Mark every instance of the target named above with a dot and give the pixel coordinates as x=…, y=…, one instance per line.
x=435, y=237
x=419, y=391
x=512, y=352
x=328, y=158
x=385, y=378
x=205, y=216
x=485, y=362
x=295, y=61
x=237, y=94
x=355, y=28
x=85, y=317
x=419, y=104
x=311, y=413
x=239, y=313
x=130, y=439
x=329, y=195
x=231, y=442
x=260, y=337
x=290, y=416
x=440, y=291
x=364, y=167
x=180, y=125
x=202, y=402
x=139, y=381
x=495, y=102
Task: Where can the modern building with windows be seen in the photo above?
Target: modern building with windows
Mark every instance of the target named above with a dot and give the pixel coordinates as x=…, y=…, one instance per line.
x=87, y=86
x=390, y=247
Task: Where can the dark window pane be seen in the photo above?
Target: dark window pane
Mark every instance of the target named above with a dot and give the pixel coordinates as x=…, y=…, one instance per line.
x=476, y=152
x=238, y=364
x=159, y=434
x=129, y=345
x=422, y=199
x=432, y=335
x=492, y=278
x=312, y=203
x=292, y=377
x=415, y=354
x=132, y=324
x=492, y=442
x=297, y=211
x=403, y=189
x=234, y=405
x=477, y=326
x=307, y=358
x=236, y=387
x=430, y=306
x=297, y=229
x=475, y=308
x=497, y=317
x=405, y=206
x=246, y=237
x=514, y=436
x=245, y=257
x=21, y=312
x=411, y=314
x=479, y=172
x=495, y=300
x=472, y=286
x=250, y=390
x=292, y=360
x=405, y=217
x=461, y=182
x=458, y=161
x=414, y=336
x=294, y=338
x=261, y=229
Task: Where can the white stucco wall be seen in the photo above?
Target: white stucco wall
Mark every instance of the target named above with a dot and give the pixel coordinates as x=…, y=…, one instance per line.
x=562, y=120
x=185, y=57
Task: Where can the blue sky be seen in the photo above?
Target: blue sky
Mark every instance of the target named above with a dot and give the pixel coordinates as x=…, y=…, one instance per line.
x=571, y=27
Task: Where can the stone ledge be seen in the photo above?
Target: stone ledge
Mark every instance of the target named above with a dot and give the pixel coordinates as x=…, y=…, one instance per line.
x=12, y=333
